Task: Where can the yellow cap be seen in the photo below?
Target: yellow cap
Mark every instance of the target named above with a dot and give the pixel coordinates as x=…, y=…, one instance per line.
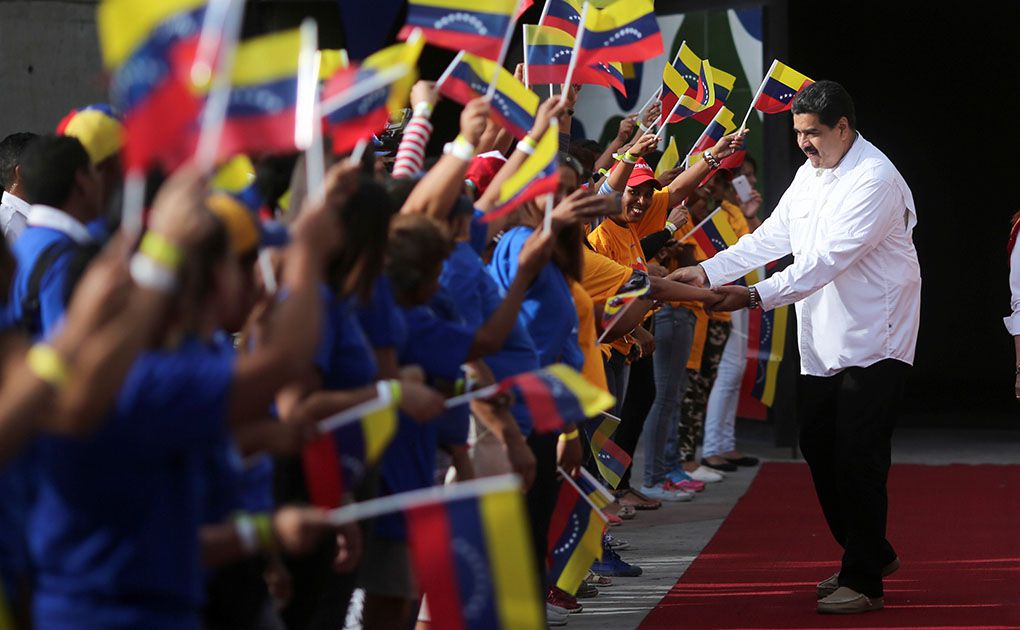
x=98, y=129
x=242, y=228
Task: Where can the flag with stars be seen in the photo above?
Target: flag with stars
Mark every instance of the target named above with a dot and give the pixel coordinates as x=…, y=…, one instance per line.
x=473, y=559
x=611, y=460
x=557, y=395
x=575, y=538
x=148, y=48
x=623, y=31
x=336, y=462
x=549, y=52
x=263, y=96
x=699, y=96
x=778, y=88
x=564, y=15
x=724, y=82
x=468, y=25
x=683, y=74
x=766, y=333
x=538, y=175
x=513, y=105
x=714, y=234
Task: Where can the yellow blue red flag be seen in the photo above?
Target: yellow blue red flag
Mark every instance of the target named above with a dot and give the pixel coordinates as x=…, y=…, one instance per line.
x=575, y=534
x=669, y=158
x=623, y=31
x=779, y=87
x=557, y=395
x=611, y=460
x=766, y=340
x=537, y=176
x=549, y=52
x=513, y=105
x=468, y=25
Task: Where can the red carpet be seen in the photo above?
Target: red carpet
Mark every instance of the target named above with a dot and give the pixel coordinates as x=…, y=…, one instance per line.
x=956, y=529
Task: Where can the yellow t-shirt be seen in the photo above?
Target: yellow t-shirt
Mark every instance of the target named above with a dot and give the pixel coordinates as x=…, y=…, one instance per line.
x=602, y=278
x=620, y=244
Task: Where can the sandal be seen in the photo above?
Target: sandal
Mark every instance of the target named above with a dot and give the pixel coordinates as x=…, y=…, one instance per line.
x=627, y=512
x=639, y=501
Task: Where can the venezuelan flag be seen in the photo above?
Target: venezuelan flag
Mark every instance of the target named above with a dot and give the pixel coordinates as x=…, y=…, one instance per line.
x=669, y=158
x=473, y=559
x=766, y=341
x=608, y=74
x=513, y=105
x=537, y=176
x=557, y=395
x=779, y=87
x=462, y=24
x=575, y=539
x=363, y=117
x=564, y=15
x=592, y=489
x=715, y=235
x=335, y=463
x=721, y=125
x=674, y=85
x=549, y=52
x=148, y=48
x=724, y=82
x=613, y=309
x=237, y=178
x=263, y=95
x=611, y=460
x=701, y=99
x=623, y=31
x=332, y=60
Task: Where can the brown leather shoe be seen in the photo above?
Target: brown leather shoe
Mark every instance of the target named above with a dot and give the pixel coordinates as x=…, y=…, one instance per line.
x=847, y=601
x=829, y=585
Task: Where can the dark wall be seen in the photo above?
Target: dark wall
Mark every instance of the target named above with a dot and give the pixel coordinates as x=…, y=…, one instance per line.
x=936, y=90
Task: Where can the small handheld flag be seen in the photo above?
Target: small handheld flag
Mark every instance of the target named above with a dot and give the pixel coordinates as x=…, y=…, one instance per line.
x=777, y=89
x=669, y=158
x=724, y=82
x=575, y=535
x=538, y=175
x=557, y=395
x=623, y=31
x=548, y=57
x=713, y=234
x=766, y=341
x=563, y=14
x=468, y=78
x=611, y=460
x=467, y=25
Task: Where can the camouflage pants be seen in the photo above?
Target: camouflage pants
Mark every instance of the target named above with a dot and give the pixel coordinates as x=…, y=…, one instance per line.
x=691, y=430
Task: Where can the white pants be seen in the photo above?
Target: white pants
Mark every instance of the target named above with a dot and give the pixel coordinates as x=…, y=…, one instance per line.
x=721, y=416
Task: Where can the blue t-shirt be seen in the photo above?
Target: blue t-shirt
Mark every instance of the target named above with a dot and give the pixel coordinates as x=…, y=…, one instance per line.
x=380, y=317
x=440, y=347
x=479, y=233
x=477, y=296
x=344, y=357
x=548, y=311
x=27, y=250
x=114, y=528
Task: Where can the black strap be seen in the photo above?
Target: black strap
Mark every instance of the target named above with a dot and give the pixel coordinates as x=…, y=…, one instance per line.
x=31, y=308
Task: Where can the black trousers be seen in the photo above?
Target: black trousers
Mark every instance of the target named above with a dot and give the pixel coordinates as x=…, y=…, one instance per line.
x=636, y=405
x=541, y=498
x=846, y=426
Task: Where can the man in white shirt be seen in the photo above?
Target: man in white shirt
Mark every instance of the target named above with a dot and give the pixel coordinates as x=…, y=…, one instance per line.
x=847, y=218
x=14, y=209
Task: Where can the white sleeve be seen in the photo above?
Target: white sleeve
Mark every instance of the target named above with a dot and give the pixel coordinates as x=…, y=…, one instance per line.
x=1013, y=321
x=863, y=221
x=771, y=241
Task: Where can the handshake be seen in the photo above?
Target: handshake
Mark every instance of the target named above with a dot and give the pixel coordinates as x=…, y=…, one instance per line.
x=725, y=298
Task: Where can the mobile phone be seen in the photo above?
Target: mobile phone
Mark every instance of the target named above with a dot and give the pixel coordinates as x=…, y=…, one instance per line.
x=743, y=187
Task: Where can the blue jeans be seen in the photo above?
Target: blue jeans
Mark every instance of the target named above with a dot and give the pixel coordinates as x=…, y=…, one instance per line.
x=674, y=336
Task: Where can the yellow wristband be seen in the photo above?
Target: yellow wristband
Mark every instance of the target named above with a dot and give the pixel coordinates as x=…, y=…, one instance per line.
x=264, y=529
x=396, y=392
x=528, y=140
x=566, y=437
x=47, y=364
x=161, y=250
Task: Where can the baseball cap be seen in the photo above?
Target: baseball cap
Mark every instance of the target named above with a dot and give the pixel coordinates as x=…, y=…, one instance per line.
x=98, y=127
x=483, y=168
x=642, y=173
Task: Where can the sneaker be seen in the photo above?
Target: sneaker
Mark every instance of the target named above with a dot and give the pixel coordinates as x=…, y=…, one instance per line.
x=706, y=474
x=615, y=543
x=555, y=616
x=662, y=492
x=587, y=590
x=563, y=600
x=600, y=581
x=679, y=474
x=685, y=485
x=611, y=564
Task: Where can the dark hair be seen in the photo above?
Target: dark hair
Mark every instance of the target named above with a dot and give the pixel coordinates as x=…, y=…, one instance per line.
x=418, y=245
x=573, y=164
x=11, y=149
x=829, y=100
x=750, y=160
x=364, y=220
x=48, y=168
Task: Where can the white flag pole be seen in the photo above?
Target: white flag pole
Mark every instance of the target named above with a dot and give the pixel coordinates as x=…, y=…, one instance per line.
x=584, y=496
x=425, y=496
x=524, y=45
x=215, y=111
x=702, y=223
x=704, y=132
x=134, y=204
x=545, y=12
x=665, y=121
x=757, y=94
x=308, y=125
x=484, y=392
x=355, y=413
x=509, y=35
x=449, y=70
x=573, y=55
x=598, y=486
x=212, y=29
x=658, y=90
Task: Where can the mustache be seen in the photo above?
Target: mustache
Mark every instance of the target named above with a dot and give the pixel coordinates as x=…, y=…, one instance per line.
x=811, y=151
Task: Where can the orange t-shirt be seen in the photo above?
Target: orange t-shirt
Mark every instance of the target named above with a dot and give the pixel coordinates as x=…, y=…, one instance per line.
x=602, y=278
x=621, y=244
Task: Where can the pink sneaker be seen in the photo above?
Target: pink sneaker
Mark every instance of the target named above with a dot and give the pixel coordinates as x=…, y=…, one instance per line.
x=688, y=485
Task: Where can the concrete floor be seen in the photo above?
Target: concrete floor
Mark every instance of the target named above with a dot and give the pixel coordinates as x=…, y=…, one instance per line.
x=664, y=542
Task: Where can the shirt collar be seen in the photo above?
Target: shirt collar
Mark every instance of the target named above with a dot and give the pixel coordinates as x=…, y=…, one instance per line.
x=852, y=157
x=16, y=202
x=47, y=217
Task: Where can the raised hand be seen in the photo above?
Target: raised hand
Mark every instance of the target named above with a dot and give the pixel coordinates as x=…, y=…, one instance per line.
x=750, y=207
x=667, y=177
x=627, y=127
x=644, y=145
x=536, y=252
x=728, y=145
x=318, y=224
x=178, y=211
x=473, y=119
x=424, y=92
x=584, y=204
x=549, y=109
x=679, y=216
x=652, y=114
x=694, y=276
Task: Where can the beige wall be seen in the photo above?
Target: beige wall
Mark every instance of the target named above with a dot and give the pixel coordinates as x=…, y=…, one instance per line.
x=49, y=62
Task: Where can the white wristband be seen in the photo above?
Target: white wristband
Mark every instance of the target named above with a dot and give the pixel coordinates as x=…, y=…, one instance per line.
x=671, y=227
x=247, y=533
x=149, y=274
x=423, y=110
x=460, y=148
x=525, y=148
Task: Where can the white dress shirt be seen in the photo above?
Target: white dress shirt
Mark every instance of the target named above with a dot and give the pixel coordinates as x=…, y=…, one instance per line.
x=855, y=277
x=1013, y=321
x=14, y=213
x=47, y=217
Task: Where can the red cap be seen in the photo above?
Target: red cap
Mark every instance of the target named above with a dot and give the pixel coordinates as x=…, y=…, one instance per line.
x=483, y=168
x=642, y=173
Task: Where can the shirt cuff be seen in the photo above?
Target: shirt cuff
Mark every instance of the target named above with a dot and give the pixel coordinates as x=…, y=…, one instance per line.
x=768, y=294
x=710, y=272
x=1013, y=323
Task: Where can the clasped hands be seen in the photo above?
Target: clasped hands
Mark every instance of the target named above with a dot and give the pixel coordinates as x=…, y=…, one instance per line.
x=725, y=298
